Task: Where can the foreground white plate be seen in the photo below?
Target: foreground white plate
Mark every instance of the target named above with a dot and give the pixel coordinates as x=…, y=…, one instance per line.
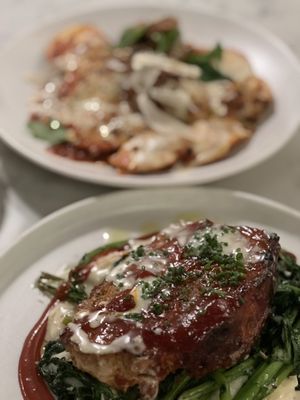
x=63, y=237
x=270, y=58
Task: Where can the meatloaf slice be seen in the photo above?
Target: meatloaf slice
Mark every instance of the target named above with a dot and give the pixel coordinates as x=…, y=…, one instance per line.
x=194, y=296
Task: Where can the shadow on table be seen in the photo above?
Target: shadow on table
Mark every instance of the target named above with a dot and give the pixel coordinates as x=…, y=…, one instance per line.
x=41, y=190
x=3, y=188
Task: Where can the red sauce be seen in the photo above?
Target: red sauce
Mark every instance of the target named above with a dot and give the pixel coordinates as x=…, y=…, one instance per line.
x=122, y=302
x=32, y=385
x=68, y=150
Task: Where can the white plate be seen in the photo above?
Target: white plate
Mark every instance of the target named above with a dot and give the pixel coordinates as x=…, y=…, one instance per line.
x=270, y=58
x=63, y=237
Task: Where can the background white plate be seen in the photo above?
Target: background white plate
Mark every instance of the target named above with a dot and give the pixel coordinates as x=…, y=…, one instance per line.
x=270, y=58
x=63, y=237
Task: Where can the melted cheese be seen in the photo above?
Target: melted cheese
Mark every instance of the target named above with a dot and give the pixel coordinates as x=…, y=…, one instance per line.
x=218, y=93
x=159, y=120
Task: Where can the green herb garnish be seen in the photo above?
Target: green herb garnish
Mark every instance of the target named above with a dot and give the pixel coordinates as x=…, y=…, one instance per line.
x=165, y=41
x=44, y=131
x=76, y=293
x=158, y=308
x=161, y=41
x=206, y=64
x=138, y=253
x=132, y=36
x=173, y=276
x=210, y=252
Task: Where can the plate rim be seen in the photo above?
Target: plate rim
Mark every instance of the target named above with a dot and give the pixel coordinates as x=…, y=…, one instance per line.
x=81, y=204
x=140, y=181
x=70, y=209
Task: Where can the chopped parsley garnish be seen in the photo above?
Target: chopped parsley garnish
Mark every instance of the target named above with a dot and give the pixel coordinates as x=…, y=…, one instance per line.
x=210, y=291
x=173, y=276
x=209, y=250
x=76, y=293
x=158, y=309
x=138, y=253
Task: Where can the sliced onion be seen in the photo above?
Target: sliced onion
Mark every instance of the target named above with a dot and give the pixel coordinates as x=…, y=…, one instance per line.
x=177, y=100
x=159, y=120
x=145, y=60
x=141, y=81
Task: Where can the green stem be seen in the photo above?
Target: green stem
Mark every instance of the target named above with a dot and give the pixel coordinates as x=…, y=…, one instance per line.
x=207, y=388
x=177, y=387
x=263, y=376
x=225, y=393
x=48, y=283
x=90, y=255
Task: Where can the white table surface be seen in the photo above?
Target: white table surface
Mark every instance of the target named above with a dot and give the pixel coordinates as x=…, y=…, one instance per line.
x=29, y=193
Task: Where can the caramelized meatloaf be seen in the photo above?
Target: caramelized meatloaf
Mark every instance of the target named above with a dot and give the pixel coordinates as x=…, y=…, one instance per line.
x=194, y=296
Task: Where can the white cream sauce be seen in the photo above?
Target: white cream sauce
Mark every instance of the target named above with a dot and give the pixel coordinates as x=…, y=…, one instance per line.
x=101, y=268
x=134, y=345
x=56, y=318
x=179, y=232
